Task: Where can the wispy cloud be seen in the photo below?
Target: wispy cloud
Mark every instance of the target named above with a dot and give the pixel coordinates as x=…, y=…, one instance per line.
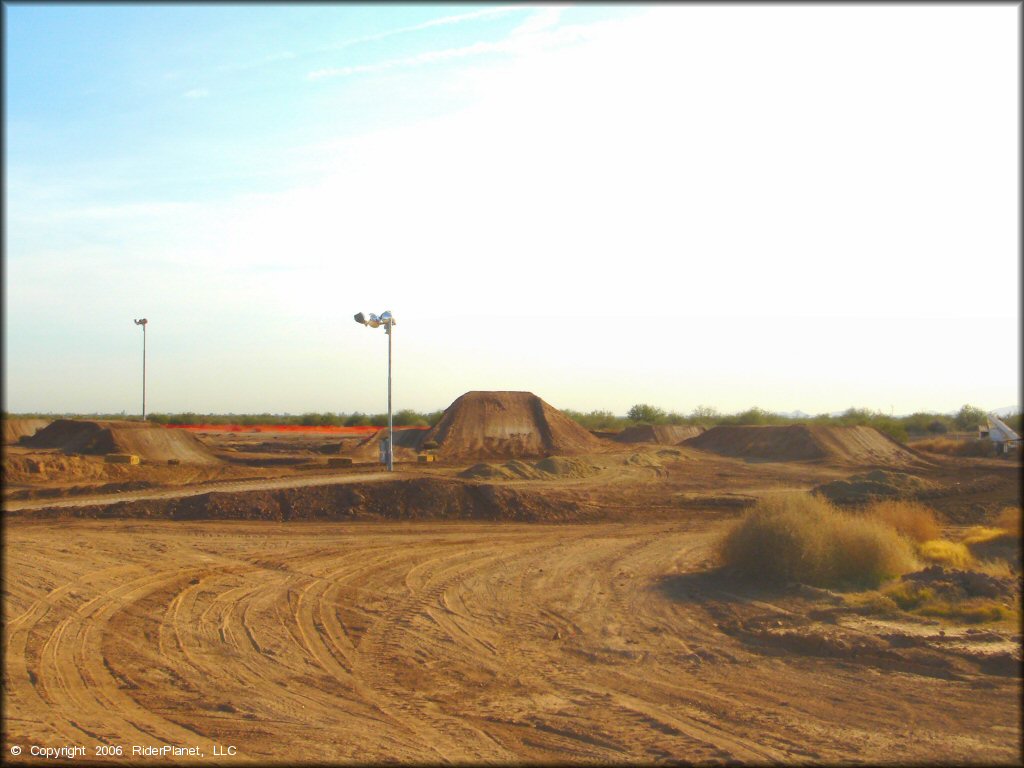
x=521, y=40
x=196, y=93
x=457, y=19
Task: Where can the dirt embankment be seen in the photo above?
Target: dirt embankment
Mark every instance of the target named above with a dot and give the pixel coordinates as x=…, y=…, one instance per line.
x=148, y=441
x=859, y=445
x=507, y=425
x=662, y=434
x=15, y=429
x=414, y=499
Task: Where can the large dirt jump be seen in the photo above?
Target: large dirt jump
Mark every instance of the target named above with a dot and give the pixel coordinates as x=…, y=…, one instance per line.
x=861, y=446
x=148, y=441
x=662, y=434
x=507, y=425
x=15, y=429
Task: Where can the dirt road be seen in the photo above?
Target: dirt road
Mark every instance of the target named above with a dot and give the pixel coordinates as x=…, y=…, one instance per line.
x=182, y=491
x=429, y=642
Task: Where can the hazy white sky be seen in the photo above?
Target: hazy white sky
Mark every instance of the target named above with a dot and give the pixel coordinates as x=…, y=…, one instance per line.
x=794, y=207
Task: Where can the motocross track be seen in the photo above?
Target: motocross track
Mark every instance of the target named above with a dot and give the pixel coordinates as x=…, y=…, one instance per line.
x=433, y=642
x=305, y=614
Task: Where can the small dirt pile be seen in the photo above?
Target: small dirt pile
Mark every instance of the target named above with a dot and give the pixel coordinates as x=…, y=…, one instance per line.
x=148, y=441
x=662, y=434
x=863, y=446
x=873, y=485
x=958, y=584
x=15, y=429
x=503, y=425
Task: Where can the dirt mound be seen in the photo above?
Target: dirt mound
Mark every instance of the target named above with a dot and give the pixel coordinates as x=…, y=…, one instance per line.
x=663, y=434
x=407, y=445
x=413, y=499
x=806, y=442
x=499, y=425
x=958, y=584
x=15, y=429
x=876, y=484
x=545, y=469
x=147, y=440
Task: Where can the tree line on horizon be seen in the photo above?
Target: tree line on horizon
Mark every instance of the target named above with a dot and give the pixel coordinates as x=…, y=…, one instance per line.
x=902, y=428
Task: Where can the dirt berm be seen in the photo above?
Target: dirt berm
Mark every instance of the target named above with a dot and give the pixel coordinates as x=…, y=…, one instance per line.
x=662, y=434
x=15, y=429
x=148, y=441
x=414, y=499
x=507, y=425
x=861, y=446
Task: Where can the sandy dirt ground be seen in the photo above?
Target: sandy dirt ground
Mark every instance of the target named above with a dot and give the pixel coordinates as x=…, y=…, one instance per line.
x=431, y=642
x=304, y=614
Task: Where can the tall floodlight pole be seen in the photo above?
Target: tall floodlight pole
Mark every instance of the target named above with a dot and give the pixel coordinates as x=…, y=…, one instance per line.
x=388, y=321
x=143, y=322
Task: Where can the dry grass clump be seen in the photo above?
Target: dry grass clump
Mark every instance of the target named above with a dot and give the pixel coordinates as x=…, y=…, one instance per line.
x=957, y=447
x=950, y=554
x=979, y=534
x=800, y=537
x=912, y=519
x=924, y=601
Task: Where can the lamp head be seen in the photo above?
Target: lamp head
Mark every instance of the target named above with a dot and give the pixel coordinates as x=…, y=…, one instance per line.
x=142, y=322
x=371, y=319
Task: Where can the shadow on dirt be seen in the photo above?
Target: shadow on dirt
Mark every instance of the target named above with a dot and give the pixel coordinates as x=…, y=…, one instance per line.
x=716, y=585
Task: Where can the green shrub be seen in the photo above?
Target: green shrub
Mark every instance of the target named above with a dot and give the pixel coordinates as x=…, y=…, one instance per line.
x=646, y=414
x=800, y=537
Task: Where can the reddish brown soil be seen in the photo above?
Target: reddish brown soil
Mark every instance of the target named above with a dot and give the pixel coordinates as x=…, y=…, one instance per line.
x=862, y=446
x=470, y=643
x=15, y=429
x=313, y=615
x=662, y=434
x=146, y=440
x=507, y=425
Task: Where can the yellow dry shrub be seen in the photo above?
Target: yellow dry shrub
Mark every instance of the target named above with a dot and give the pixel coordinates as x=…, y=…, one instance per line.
x=912, y=519
x=979, y=534
x=799, y=537
x=946, y=553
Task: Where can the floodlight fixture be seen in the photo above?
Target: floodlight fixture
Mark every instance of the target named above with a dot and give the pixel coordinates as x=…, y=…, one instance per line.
x=143, y=321
x=388, y=321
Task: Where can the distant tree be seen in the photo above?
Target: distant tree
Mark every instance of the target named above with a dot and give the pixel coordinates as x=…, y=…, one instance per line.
x=705, y=413
x=937, y=427
x=409, y=418
x=755, y=416
x=969, y=418
x=645, y=414
x=357, y=419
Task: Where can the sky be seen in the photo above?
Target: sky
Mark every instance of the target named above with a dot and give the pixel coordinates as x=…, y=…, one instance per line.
x=809, y=207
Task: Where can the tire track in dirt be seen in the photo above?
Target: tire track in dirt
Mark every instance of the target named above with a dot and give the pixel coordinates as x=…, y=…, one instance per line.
x=86, y=692
x=463, y=642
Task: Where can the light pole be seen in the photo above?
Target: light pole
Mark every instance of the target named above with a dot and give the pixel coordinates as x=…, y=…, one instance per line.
x=388, y=321
x=143, y=322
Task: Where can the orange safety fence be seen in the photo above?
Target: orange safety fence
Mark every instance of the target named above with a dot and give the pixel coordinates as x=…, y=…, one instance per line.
x=299, y=428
